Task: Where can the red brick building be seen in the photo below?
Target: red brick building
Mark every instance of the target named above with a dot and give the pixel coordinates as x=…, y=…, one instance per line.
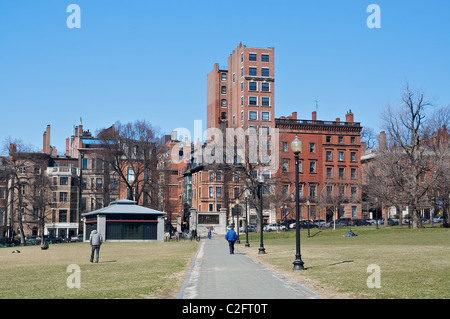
x=329, y=165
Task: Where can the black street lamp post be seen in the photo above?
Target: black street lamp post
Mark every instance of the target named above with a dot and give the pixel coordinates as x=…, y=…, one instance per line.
x=307, y=203
x=238, y=212
x=261, y=249
x=246, y=194
x=296, y=146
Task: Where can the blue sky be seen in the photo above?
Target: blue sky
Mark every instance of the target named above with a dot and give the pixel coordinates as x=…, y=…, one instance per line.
x=143, y=59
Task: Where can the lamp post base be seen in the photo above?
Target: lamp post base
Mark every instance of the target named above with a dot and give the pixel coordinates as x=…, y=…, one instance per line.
x=298, y=264
x=247, y=245
x=261, y=250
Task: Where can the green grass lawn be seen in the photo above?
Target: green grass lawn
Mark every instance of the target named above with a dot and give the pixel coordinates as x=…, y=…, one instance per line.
x=412, y=263
x=125, y=270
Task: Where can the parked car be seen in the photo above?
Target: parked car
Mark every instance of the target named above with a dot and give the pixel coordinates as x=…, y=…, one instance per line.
x=340, y=222
x=360, y=222
x=77, y=238
x=319, y=222
x=35, y=240
x=274, y=227
x=371, y=221
x=391, y=222
x=53, y=239
x=439, y=219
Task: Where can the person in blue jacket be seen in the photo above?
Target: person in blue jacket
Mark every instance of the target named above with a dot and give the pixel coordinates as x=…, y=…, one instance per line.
x=231, y=236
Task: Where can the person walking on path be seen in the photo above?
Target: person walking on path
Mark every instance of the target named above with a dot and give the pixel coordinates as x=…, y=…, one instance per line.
x=231, y=236
x=95, y=239
x=209, y=233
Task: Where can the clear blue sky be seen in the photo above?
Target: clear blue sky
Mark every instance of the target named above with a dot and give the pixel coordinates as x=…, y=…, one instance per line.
x=143, y=59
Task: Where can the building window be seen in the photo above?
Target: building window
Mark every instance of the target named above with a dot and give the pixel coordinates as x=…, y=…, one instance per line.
x=130, y=174
x=329, y=172
x=285, y=166
x=341, y=139
x=264, y=57
x=242, y=57
x=63, y=216
x=219, y=192
x=312, y=167
x=223, y=103
x=265, y=87
x=252, y=100
x=63, y=197
x=252, y=115
x=218, y=176
x=353, y=140
x=312, y=147
x=264, y=72
x=340, y=156
x=353, y=174
x=223, y=90
x=329, y=156
x=2, y=193
x=312, y=191
x=224, y=77
x=354, y=211
x=211, y=195
x=63, y=181
x=252, y=86
x=328, y=138
x=352, y=156
x=252, y=57
x=285, y=146
x=242, y=86
x=265, y=116
x=236, y=192
x=242, y=100
x=354, y=192
x=265, y=101
x=252, y=71
x=341, y=173
x=224, y=115
x=342, y=191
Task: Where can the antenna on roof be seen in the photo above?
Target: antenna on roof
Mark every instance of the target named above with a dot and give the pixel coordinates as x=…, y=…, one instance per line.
x=317, y=105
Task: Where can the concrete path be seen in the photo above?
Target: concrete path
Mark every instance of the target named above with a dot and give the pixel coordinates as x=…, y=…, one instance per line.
x=215, y=274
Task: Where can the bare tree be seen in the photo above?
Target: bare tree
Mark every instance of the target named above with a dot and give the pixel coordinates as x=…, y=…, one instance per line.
x=132, y=151
x=406, y=129
x=368, y=136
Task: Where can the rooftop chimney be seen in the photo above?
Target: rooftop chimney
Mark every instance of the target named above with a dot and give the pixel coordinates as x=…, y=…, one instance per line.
x=46, y=141
x=294, y=115
x=349, y=116
x=382, y=141
x=314, y=116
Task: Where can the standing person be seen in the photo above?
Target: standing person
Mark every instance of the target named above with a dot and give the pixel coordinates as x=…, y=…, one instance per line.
x=209, y=233
x=231, y=236
x=95, y=239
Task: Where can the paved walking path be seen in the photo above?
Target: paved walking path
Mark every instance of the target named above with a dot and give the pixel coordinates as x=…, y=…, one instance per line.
x=215, y=274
